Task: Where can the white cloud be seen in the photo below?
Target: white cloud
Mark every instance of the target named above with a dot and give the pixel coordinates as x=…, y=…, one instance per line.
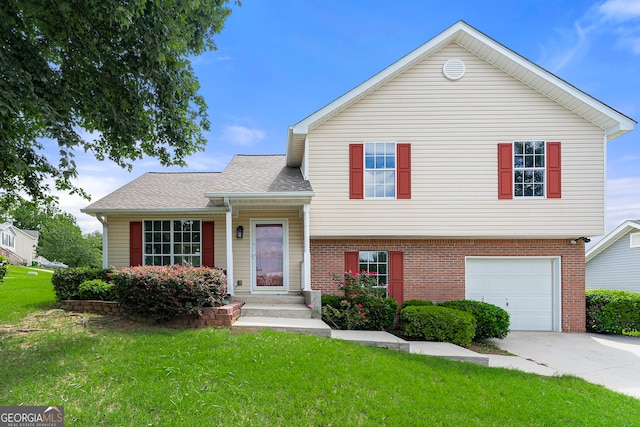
x=241, y=135
x=620, y=10
x=623, y=200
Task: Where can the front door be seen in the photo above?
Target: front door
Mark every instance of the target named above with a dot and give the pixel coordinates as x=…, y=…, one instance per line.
x=269, y=269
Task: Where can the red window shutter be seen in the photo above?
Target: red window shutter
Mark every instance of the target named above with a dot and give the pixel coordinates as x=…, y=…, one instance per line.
x=554, y=173
x=356, y=171
x=207, y=244
x=352, y=261
x=135, y=243
x=403, y=169
x=396, y=276
x=505, y=171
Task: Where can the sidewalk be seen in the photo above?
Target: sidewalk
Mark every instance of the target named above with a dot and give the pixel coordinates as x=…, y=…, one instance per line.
x=443, y=349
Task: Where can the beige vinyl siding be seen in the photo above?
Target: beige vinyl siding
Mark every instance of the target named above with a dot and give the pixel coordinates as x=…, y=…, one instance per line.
x=119, y=237
x=242, y=248
x=454, y=128
x=25, y=246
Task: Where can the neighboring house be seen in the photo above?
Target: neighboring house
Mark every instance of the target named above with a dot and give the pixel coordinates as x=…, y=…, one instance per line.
x=614, y=262
x=460, y=171
x=18, y=245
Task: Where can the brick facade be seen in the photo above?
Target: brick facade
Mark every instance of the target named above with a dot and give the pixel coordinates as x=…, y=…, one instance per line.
x=435, y=269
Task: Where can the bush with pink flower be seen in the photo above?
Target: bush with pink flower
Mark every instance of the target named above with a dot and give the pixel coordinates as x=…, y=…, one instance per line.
x=362, y=304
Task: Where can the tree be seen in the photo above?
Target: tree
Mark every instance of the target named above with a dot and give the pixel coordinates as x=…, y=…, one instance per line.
x=116, y=69
x=62, y=240
x=60, y=237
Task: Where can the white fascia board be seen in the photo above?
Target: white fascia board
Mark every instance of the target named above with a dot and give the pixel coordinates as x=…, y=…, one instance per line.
x=610, y=239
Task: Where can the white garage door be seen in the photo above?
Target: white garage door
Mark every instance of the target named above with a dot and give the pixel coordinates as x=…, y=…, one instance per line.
x=525, y=287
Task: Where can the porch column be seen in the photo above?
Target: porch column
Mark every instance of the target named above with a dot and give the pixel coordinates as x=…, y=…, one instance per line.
x=229, y=241
x=306, y=275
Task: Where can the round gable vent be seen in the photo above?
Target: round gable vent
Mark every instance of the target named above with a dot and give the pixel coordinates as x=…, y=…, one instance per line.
x=454, y=69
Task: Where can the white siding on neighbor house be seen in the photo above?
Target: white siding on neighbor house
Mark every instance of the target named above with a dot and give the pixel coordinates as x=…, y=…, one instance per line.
x=119, y=237
x=616, y=267
x=454, y=128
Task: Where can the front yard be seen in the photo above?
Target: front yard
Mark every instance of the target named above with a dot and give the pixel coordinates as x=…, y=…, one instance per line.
x=108, y=371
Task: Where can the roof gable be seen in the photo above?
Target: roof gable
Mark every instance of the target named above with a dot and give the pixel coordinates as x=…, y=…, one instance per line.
x=621, y=231
x=611, y=121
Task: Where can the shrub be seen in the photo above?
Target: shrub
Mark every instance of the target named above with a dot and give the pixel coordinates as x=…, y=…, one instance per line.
x=415, y=302
x=4, y=264
x=363, y=305
x=96, y=289
x=164, y=292
x=612, y=311
x=66, y=281
x=435, y=323
x=492, y=321
x=333, y=300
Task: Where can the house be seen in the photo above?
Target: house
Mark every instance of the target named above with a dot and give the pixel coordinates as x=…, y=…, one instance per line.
x=18, y=245
x=614, y=262
x=456, y=172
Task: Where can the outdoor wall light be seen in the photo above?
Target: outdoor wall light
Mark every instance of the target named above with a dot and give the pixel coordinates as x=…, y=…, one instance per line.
x=239, y=232
x=584, y=239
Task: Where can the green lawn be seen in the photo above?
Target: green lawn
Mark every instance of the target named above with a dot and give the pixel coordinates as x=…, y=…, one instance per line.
x=109, y=372
x=21, y=293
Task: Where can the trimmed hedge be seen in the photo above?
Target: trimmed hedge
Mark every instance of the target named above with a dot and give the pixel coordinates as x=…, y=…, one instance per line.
x=164, y=292
x=66, y=281
x=612, y=311
x=415, y=302
x=492, y=321
x=435, y=323
x=96, y=289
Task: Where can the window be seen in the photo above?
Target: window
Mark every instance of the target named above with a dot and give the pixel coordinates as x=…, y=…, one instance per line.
x=634, y=240
x=380, y=169
x=8, y=239
x=528, y=169
x=376, y=262
x=172, y=242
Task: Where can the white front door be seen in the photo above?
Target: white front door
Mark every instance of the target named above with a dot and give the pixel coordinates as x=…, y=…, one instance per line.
x=269, y=256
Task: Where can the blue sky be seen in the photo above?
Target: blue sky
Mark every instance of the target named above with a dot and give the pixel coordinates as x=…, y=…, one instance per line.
x=280, y=60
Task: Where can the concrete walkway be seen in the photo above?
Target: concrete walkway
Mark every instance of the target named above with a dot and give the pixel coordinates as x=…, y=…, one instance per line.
x=611, y=361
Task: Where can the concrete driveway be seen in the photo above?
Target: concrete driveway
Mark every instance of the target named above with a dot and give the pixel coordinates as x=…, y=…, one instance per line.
x=610, y=360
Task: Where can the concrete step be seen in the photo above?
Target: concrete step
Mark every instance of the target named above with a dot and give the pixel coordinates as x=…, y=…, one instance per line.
x=283, y=324
x=292, y=311
x=292, y=298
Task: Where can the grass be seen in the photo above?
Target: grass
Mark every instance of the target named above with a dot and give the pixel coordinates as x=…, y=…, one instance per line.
x=109, y=372
x=21, y=293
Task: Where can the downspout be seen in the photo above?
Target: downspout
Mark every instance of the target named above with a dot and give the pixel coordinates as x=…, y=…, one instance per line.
x=229, y=243
x=105, y=240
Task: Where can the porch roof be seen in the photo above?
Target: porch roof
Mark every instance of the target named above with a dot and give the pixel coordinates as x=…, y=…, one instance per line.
x=254, y=177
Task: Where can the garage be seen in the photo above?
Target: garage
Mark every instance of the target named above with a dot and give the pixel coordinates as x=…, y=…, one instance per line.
x=528, y=288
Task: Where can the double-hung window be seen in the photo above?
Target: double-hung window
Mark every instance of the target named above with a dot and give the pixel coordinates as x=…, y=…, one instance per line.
x=380, y=170
x=168, y=242
x=8, y=239
x=376, y=262
x=529, y=169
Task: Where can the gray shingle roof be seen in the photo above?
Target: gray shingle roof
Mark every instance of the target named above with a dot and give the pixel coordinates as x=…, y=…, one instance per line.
x=186, y=190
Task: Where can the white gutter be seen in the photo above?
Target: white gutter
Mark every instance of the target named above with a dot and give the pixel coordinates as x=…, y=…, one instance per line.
x=105, y=240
